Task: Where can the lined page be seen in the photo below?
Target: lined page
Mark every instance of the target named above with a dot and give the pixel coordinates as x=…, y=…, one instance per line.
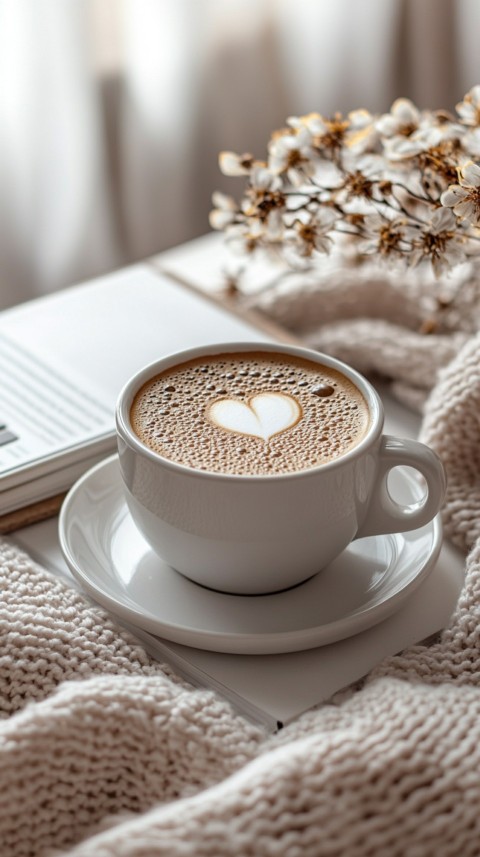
x=41, y=411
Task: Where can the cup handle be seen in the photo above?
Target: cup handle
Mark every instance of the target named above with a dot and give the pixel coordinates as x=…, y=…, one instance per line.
x=384, y=514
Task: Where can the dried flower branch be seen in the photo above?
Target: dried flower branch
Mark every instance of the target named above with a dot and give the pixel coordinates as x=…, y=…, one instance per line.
x=404, y=186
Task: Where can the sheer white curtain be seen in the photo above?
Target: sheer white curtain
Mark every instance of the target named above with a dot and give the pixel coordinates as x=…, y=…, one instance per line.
x=112, y=112
x=56, y=221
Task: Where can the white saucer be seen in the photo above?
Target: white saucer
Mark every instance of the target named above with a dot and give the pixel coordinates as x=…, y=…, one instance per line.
x=112, y=561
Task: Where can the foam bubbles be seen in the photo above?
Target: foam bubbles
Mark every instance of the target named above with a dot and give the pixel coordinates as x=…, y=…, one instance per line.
x=170, y=414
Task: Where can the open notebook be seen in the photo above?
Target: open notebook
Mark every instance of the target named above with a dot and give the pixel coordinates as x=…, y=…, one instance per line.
x=63, y=360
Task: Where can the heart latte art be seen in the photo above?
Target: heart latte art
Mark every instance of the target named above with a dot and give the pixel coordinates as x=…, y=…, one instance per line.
x=263, y=415
x=254, y=413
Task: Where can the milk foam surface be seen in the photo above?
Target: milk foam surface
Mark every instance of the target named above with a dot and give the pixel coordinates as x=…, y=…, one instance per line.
x=254, y=413
x=263, y=415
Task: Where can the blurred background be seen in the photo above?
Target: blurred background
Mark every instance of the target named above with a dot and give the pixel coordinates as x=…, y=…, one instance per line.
x=113, y=112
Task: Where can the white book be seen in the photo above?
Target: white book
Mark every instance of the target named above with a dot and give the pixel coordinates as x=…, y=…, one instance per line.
x=63, y=360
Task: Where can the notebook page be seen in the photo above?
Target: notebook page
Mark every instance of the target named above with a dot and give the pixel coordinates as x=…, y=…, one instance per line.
x=42, y=412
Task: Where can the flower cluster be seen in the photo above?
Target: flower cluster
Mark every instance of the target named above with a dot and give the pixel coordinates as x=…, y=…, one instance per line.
x=404, y=186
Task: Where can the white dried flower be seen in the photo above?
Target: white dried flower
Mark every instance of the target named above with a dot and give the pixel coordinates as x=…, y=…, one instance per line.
x=312, y=235
x=471, y=143
x=244, y=238
x=469, y=108
x=402, y=121
x=429, y=135
x=291, y=154
x=362, y=134
x=236, y=165
x=438, y=242
x=464, y=197
x=385, y=237
x=224, y=212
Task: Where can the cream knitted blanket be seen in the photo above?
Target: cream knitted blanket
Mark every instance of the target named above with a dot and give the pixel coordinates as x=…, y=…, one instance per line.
x=104, y=752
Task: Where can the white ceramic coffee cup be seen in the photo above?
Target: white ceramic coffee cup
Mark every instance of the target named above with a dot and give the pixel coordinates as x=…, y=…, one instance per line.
x=258, y=534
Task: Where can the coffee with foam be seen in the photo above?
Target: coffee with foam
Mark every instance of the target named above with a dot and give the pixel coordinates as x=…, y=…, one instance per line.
x=250, y=414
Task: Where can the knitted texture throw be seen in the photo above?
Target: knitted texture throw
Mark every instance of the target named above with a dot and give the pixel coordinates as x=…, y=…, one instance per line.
x=104, y=752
